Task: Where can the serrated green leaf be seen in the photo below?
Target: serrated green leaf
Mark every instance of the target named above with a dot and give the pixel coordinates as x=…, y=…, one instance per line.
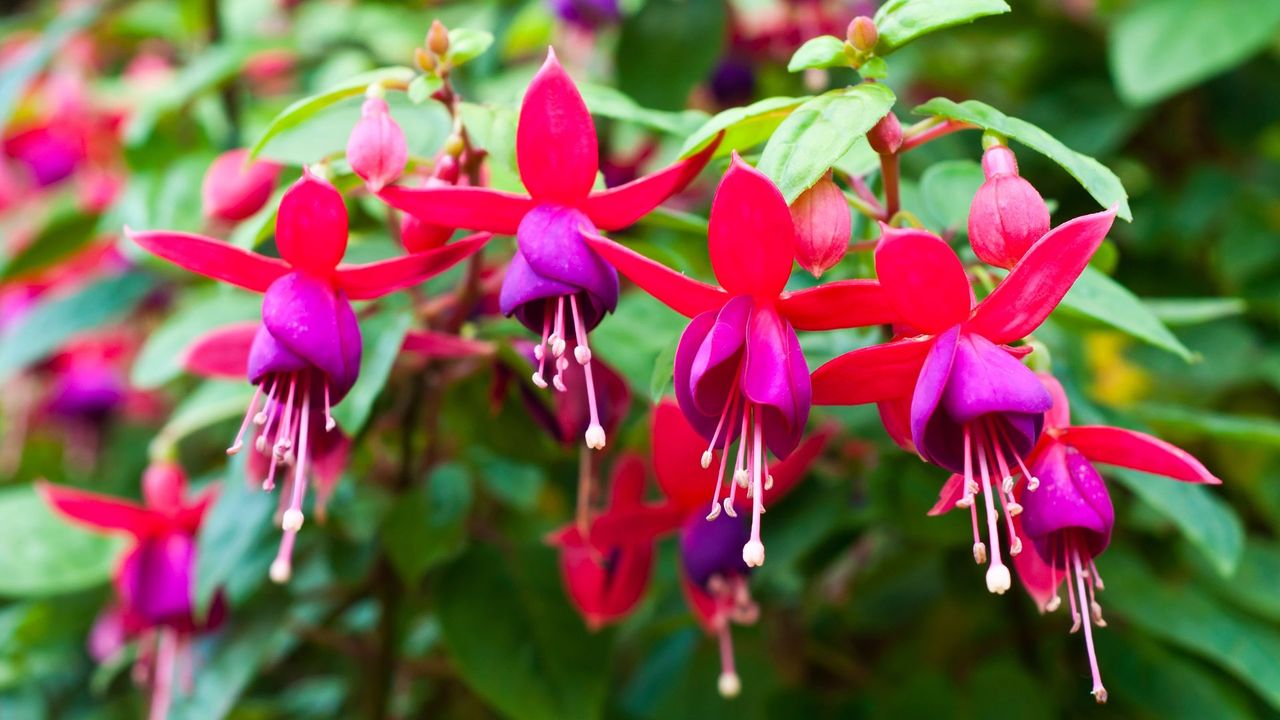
x=1098, y=298
x=814, y=137
x=823, y=51
x=901, y=21
x=743, y=127
x=45, y=554
x=1100, y=182
x=467, y=44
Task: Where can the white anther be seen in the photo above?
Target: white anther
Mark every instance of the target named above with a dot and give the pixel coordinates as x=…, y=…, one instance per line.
x=235, y=448
x=558, y=345
x=582, y=354
x=998, y=579
x=715, y=511
x=1014, y=509
x=768, y=481
x=260, y=418
x=1054, y=603
x=728, y=508
x=753, y=553
x=740, y=477
x=1100, y=694
x=1032, y=483
x=706, y=459
x=1097, y=614
x=558, y=381
x=971, y=487
x=280, y=571
x=595, y=437
x=537, y=380
x=538, y=352
x=1015, y=547
x=330, y=423
x=979, y=553
x=260, y=444
x=965, y=502
x=729, y=685
x=1007, y=485
x=292, y=520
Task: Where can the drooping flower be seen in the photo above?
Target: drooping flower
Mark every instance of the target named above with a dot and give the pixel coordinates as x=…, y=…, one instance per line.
x=823, y=227
x=376, y=147
x=588, y=15
x=556, y=286
x=236, y=187
x=714, y=576
x=306, y=354
x=973, y=409
x=1007, y=215
x=1069, y=518
x=739, y=370
x=154, y=582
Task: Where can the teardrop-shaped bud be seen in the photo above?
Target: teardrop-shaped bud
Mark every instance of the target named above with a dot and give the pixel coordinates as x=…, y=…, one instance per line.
x=886, y=137
x=163, y=486
x=862, y=34
x=311, y=225
x=823, y=226
x=376, y=149
x=236, y=187
x=1007, y=216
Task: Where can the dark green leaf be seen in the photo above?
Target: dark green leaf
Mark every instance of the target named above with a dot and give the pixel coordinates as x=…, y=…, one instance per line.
x=814, y=137
x=427, y=526
x=44, y=553
x=516, y=484
x=212, y=402
x=1193, y=311
x=233, y=529
x=1096, y=297
x=743, y=127
x=1198, y=512
x=667, y=48
x=663, y=370
x=823, y=51
x=1101, y=183
x=383, y=335
x=1254, y=430
x=901, y=21
x=210, y=69
x=207, y=309
x=61, y=236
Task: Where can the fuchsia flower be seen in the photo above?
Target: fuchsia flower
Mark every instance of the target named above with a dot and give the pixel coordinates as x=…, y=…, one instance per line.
x=154, y=581
x=306, y=355
x=739, y=370
x=555, y=285
x=236, y=187
x=1007, y=215
x=974, y=408
x=1069, y=517
x=714, y=575
x=376, y=148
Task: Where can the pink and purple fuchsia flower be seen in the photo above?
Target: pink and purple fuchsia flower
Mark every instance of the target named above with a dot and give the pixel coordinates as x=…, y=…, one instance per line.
x=740, y=373
x=306, y=354
x=556, y=285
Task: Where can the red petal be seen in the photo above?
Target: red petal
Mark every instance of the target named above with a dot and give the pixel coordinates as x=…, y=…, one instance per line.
x=700, y=603
x=190, y=517
x=443, y=345
x=1041, y=278
x=1139, y=451
x=923, y=279
x=555, y=138
x=102, y=512
x=751, y=236
x=222, y=353
x=952, y=490
x=843, y=304
x=629, y=526
x=621, y=206
x=311, y=225
x=212, y=258
x=1059, y=416
x=681, y=293
x=626, y=487
x=872, y=374
x=677, y=459
x=788, y=473
x=461, y=207
x=372, y=280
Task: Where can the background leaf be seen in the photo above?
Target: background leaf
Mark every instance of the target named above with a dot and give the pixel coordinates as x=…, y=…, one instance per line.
x=45, y=554
x=901, y=21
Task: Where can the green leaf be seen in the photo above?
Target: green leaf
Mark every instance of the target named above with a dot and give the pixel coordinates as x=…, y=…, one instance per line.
x=663, y=372
x=1160, y=47
x=632, y=345
x=823, y=51
x=206, y=309
x=515, y=483
x=56, y=319
x=493, y=129
x=213, y=67
x=44, y=553
x=1200, y=514
x=947, y=189
x=1100, y=182
x=28, y=62
x=607, y=102
x=427, y=525
x=467, y=44
x=743, y=127
x=1254, y=430
x=232, y=531
x=325, y=133
x=1096, y=297
x=68, y=231
x=300, y=111
x=667, y=48
x=515, y=640
x=901, y=21
x=212, y=402
x=1256, y=584
x=1177, y=312
x=383, y=336
x=423, y=87
x=811, y=139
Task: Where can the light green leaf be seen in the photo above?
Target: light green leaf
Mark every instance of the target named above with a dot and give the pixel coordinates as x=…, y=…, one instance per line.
x=300, y=111
x=467, y=44
x=1101, y=183
x=325, y=133
x=423, y=87
x=1160, y=47
x=743, y=127
x=1254, y=430
x=947, y=189
x=45, y=554
x=383, y=336
x=206, y=309
x=56, y=319
x=1098, y=298
x=607, y=102
x=1177, y=312
x=814, y=137
x=1200, y=515
x=823, y=51
x=901, y=21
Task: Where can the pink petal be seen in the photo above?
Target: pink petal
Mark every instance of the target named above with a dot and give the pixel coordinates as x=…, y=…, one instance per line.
x=311, y=225
x=212, y=258
x=681, y=293
x=461, y=207
x=952, y=490
x=677, y=459
x=751, y=237
x=1139, y=451
x=872, y=374
x=101, y=512
x=373, y=280
x=443, y=345
x=1059, y=416
x=1041, y=278
x=618, y=207
x=555, y=138
x=923, y=279
x=222, y=353
x=843, y=304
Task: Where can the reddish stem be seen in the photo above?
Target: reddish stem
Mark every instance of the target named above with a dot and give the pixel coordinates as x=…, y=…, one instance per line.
x=918, y=135
x=889, y=175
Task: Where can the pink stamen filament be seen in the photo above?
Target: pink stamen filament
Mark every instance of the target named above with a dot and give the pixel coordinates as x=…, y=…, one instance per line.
x=582, y=353
x=740, y=465
x=998, y=579
x=753, y=551
x=715, y=502
x=729, y=683
x=244, y=424
x=162, y=673
x=1099, y=692
x=1007, y=502
x=540, y=350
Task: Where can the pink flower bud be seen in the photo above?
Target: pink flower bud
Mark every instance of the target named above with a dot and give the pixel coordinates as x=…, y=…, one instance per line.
x=1007, y=215
x=163, y=485
x=416, y=235
x=235, y=188
x=886, y=137
x=376, y=148
x=823, y=227
x=862, y=34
